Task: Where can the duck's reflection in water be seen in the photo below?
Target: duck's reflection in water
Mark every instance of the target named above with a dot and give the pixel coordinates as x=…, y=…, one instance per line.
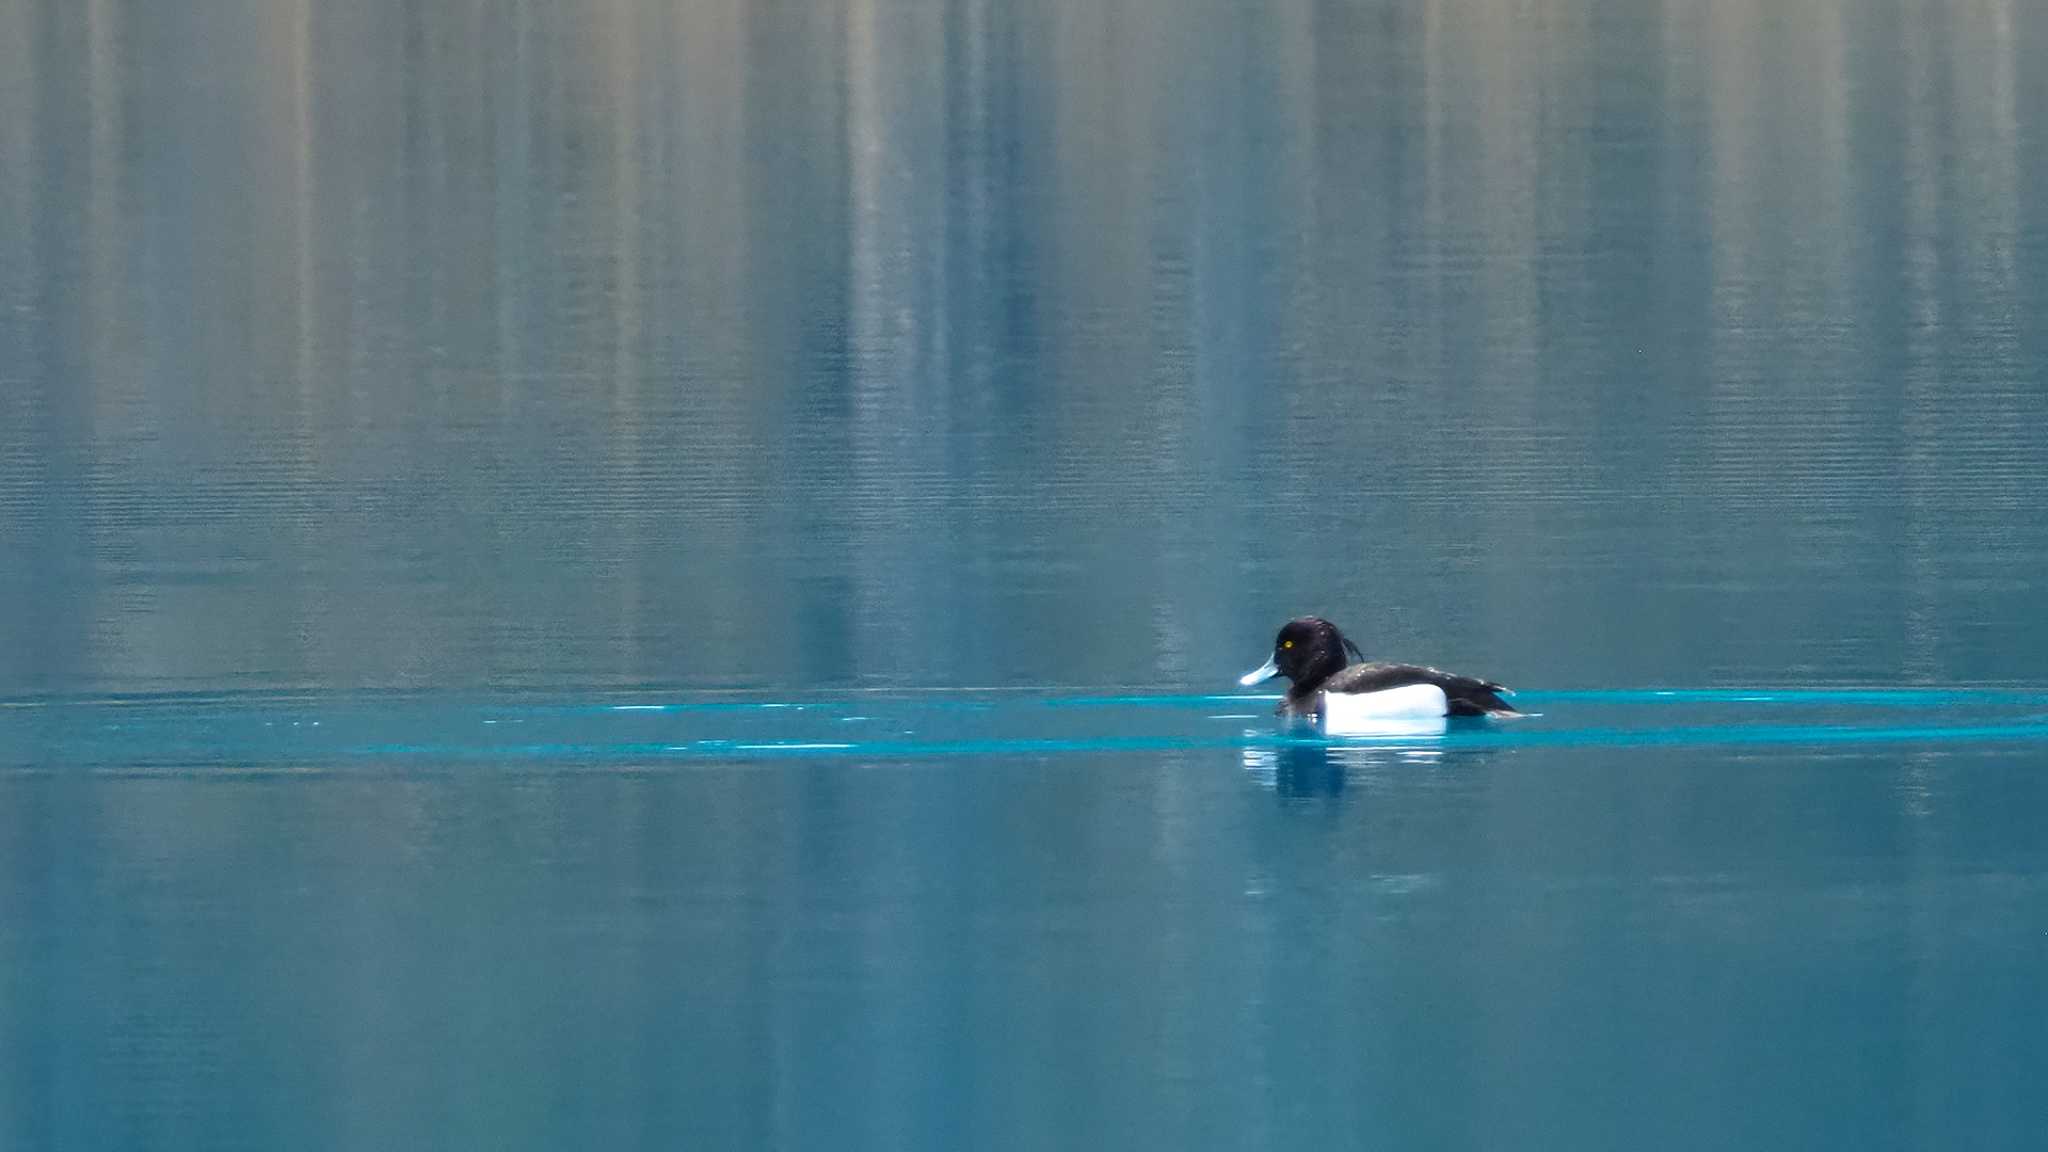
x=1312, y=767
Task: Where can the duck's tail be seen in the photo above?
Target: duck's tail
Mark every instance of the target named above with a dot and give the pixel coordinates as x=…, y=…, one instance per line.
x=1481, y=698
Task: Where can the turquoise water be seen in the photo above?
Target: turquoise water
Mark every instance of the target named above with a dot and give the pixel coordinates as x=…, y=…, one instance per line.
x=635, y=575
x=648, y=730
x=1022, y=918
x=1691, y=918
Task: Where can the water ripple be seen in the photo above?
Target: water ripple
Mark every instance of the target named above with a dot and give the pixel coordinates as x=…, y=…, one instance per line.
x=242, y=732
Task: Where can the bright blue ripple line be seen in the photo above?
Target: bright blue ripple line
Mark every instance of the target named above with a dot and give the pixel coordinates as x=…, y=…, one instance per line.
x=954, y=702
x=217, y=708
x=1163, y=701
x=658, y=707
x=1911, y=696
x=1464, y=738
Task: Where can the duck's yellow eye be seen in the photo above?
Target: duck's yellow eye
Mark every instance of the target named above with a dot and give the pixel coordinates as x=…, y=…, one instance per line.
x=1287, y=643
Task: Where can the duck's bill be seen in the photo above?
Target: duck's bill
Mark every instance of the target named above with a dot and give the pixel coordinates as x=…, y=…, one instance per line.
x=1261, y=674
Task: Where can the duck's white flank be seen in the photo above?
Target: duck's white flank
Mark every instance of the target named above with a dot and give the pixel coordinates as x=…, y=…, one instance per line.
x=1389, y=711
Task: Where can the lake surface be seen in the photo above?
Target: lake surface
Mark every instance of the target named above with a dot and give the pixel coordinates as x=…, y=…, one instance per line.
x=626, y=574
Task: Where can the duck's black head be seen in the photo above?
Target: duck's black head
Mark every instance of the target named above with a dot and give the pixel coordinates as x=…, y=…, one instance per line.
x=1308, y=651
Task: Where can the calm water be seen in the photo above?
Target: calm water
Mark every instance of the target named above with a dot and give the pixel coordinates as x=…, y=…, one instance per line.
x=624, y=574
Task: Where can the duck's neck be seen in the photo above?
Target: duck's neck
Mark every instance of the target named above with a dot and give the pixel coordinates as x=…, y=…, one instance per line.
x=1301, y=698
